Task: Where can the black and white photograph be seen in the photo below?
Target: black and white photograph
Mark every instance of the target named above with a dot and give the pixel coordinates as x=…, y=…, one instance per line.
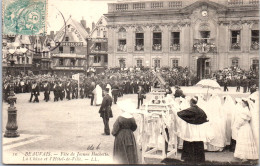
x=169, y=82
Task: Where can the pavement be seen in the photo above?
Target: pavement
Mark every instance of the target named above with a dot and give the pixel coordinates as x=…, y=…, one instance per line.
x=71, y=132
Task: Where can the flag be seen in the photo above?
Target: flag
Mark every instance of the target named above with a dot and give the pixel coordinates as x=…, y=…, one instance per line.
x=75, y=77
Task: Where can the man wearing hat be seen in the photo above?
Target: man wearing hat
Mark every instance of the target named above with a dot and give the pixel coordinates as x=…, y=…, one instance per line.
x=35, y=91
x=47, y=91
x=106, y=111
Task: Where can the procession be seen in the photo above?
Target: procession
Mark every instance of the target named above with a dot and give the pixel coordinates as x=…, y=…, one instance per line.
x=127, y=82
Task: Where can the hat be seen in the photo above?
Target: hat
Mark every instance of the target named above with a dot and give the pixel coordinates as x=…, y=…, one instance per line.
x=127, y=106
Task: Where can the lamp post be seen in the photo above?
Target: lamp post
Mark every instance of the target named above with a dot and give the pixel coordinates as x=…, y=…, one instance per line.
x=11, y=126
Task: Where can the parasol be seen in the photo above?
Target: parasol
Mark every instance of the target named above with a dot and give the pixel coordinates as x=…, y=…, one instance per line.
x=208, y=83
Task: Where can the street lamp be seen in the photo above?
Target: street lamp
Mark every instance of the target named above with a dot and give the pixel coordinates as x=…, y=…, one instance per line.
x=11, y=126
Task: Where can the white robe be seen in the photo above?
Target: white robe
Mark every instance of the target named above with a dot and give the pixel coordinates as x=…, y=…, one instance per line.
x=218, y=122
x=98, y=95
x=228, y=110
x=254, y=123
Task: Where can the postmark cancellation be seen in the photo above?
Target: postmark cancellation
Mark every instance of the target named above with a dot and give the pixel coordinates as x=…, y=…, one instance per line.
x=24, y=17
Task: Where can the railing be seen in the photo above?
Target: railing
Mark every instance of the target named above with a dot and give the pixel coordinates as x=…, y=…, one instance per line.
x=254, y=2
x=175, y=47
x=133, y=6
x=157, y=5
x=121, y=48
x=139, y=48
x=175, y=4
x=235, y=2
x=121, y=6
x=255, y=46
x=137, y=6
x=235, y=46
x=157, y=47
x=203, y=47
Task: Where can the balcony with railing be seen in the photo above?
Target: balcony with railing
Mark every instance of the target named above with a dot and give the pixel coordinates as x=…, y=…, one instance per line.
x=175, y=47
x=169, y=4
x=255, y=46
x=234, y=3
x=157, y=47
x=139, y=48
x=121, y=48
x=205, y=45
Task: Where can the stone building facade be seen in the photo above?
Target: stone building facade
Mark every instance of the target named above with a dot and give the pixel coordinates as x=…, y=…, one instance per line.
x=203, y=35
x=97, y=46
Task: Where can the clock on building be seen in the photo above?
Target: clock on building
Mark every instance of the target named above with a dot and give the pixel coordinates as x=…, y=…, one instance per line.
x=204, y=13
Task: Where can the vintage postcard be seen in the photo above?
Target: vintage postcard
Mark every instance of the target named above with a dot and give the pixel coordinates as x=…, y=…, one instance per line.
x=172, y=82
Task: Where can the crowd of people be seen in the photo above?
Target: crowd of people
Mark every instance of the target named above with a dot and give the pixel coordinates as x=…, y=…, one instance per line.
x=232, y=122
x=235, y=76
x=126, y=81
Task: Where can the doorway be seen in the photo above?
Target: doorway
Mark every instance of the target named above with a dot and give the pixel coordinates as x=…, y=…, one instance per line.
x=203, y=68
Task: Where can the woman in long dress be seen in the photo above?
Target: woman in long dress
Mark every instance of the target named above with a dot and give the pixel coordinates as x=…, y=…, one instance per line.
x=245, y=144
x=125, y=150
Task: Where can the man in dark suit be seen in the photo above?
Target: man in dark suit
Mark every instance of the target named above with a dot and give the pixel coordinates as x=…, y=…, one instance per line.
x=140, y=96
x=47, y=91
x=35, y=92
x=106, y=111
x=68, y=90
x=115, y=92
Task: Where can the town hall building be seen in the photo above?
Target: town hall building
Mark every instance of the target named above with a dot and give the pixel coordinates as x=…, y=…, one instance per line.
x=202, y=35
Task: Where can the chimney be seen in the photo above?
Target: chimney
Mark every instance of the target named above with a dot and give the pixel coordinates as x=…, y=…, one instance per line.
x=52, y=34
x=83, y=23
x=93, y=25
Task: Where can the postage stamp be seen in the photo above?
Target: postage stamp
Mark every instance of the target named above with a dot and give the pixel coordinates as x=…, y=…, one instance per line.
x=24, y=17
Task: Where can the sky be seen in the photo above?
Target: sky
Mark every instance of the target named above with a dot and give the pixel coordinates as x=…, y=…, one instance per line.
x=90, y=10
